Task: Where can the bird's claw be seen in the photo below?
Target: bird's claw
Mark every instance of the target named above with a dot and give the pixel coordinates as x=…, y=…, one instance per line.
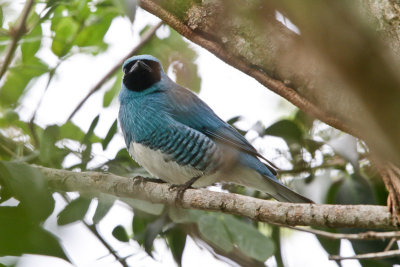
x=180, y=191
x=181, y=188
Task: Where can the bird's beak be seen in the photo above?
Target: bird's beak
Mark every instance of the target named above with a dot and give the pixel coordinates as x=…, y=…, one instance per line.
x=140, y=65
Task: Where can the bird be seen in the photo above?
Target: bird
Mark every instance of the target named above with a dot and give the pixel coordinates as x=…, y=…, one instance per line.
x=178, y=138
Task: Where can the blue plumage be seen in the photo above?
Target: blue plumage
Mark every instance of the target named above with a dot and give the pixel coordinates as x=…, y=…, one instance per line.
x=175, y=136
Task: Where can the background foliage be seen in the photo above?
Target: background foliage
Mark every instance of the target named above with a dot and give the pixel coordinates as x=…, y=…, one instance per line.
x=319, y=161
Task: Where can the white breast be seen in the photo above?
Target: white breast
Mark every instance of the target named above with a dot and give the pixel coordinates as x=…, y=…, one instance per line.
x=154, y=161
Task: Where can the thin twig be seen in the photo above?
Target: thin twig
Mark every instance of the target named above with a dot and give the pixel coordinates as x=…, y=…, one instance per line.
x=31, y=123
x=338, y=163
x=92, y=228
x=16, y=33
x=146, y=37
x=370, y=235
x=389, y=246
x=370, y=256
x=51, y=76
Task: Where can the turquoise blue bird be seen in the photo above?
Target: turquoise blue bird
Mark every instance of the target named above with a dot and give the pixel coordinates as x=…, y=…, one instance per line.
x=176, y=137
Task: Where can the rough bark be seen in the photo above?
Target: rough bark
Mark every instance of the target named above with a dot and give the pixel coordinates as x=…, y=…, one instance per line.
x=356, y=216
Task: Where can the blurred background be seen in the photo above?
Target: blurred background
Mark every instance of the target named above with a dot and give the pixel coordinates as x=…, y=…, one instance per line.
x=63, y=58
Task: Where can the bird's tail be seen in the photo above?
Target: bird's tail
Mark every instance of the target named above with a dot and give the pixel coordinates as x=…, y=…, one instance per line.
x=266, y=183
x=285, y=194
x=253, y=173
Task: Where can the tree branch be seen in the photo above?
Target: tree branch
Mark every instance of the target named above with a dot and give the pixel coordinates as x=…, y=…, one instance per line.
x=146, y=37
x=390, y=245
x=359, y=216
x=16, y=33
x=370, y=235
x=370, y=256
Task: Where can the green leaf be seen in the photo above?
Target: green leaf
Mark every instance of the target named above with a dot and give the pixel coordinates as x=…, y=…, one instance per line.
x=27, y=185
x=20, y=235
x=90, y=132
x=233, y=120
x=70, y=131
x=103, y=207
x=80, y=10
x=312, y=145
x=152, y=231
x=1, y=17
x=74, y=211
x=331, y=246
x=8, y=118
x=176, y=242
x=113, y=91
x=120, y=233
x=20, y=226
x=331, y=197
x=31, y=43
x=145, y=206
x=355, y=190
x=86, y=153
x=123, y=165
x=185, y=216
x=18, y=78
x=110, y=134
x=304, y=120
x=212, y=229
x=47, y=144
x=51, y=3
x=248, y=239
x=5, y=194
x=139, y=225
x=286, y=129
x=126, y=7
x=175, y=53
x=65, y=33
x=59, y=13
x=96, y=27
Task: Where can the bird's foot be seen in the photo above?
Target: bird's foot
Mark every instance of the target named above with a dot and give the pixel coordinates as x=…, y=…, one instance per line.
x=181, y=188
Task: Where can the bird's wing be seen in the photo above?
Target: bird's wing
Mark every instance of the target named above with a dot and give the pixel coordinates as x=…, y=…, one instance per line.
x=191, y=111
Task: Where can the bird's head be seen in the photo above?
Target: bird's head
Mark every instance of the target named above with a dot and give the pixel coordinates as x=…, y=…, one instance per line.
x=141, y=72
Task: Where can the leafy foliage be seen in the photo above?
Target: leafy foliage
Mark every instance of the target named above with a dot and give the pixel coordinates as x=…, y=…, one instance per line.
x=74, y=211
x=78, y=27
x=74, y=27
x=21, y=224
